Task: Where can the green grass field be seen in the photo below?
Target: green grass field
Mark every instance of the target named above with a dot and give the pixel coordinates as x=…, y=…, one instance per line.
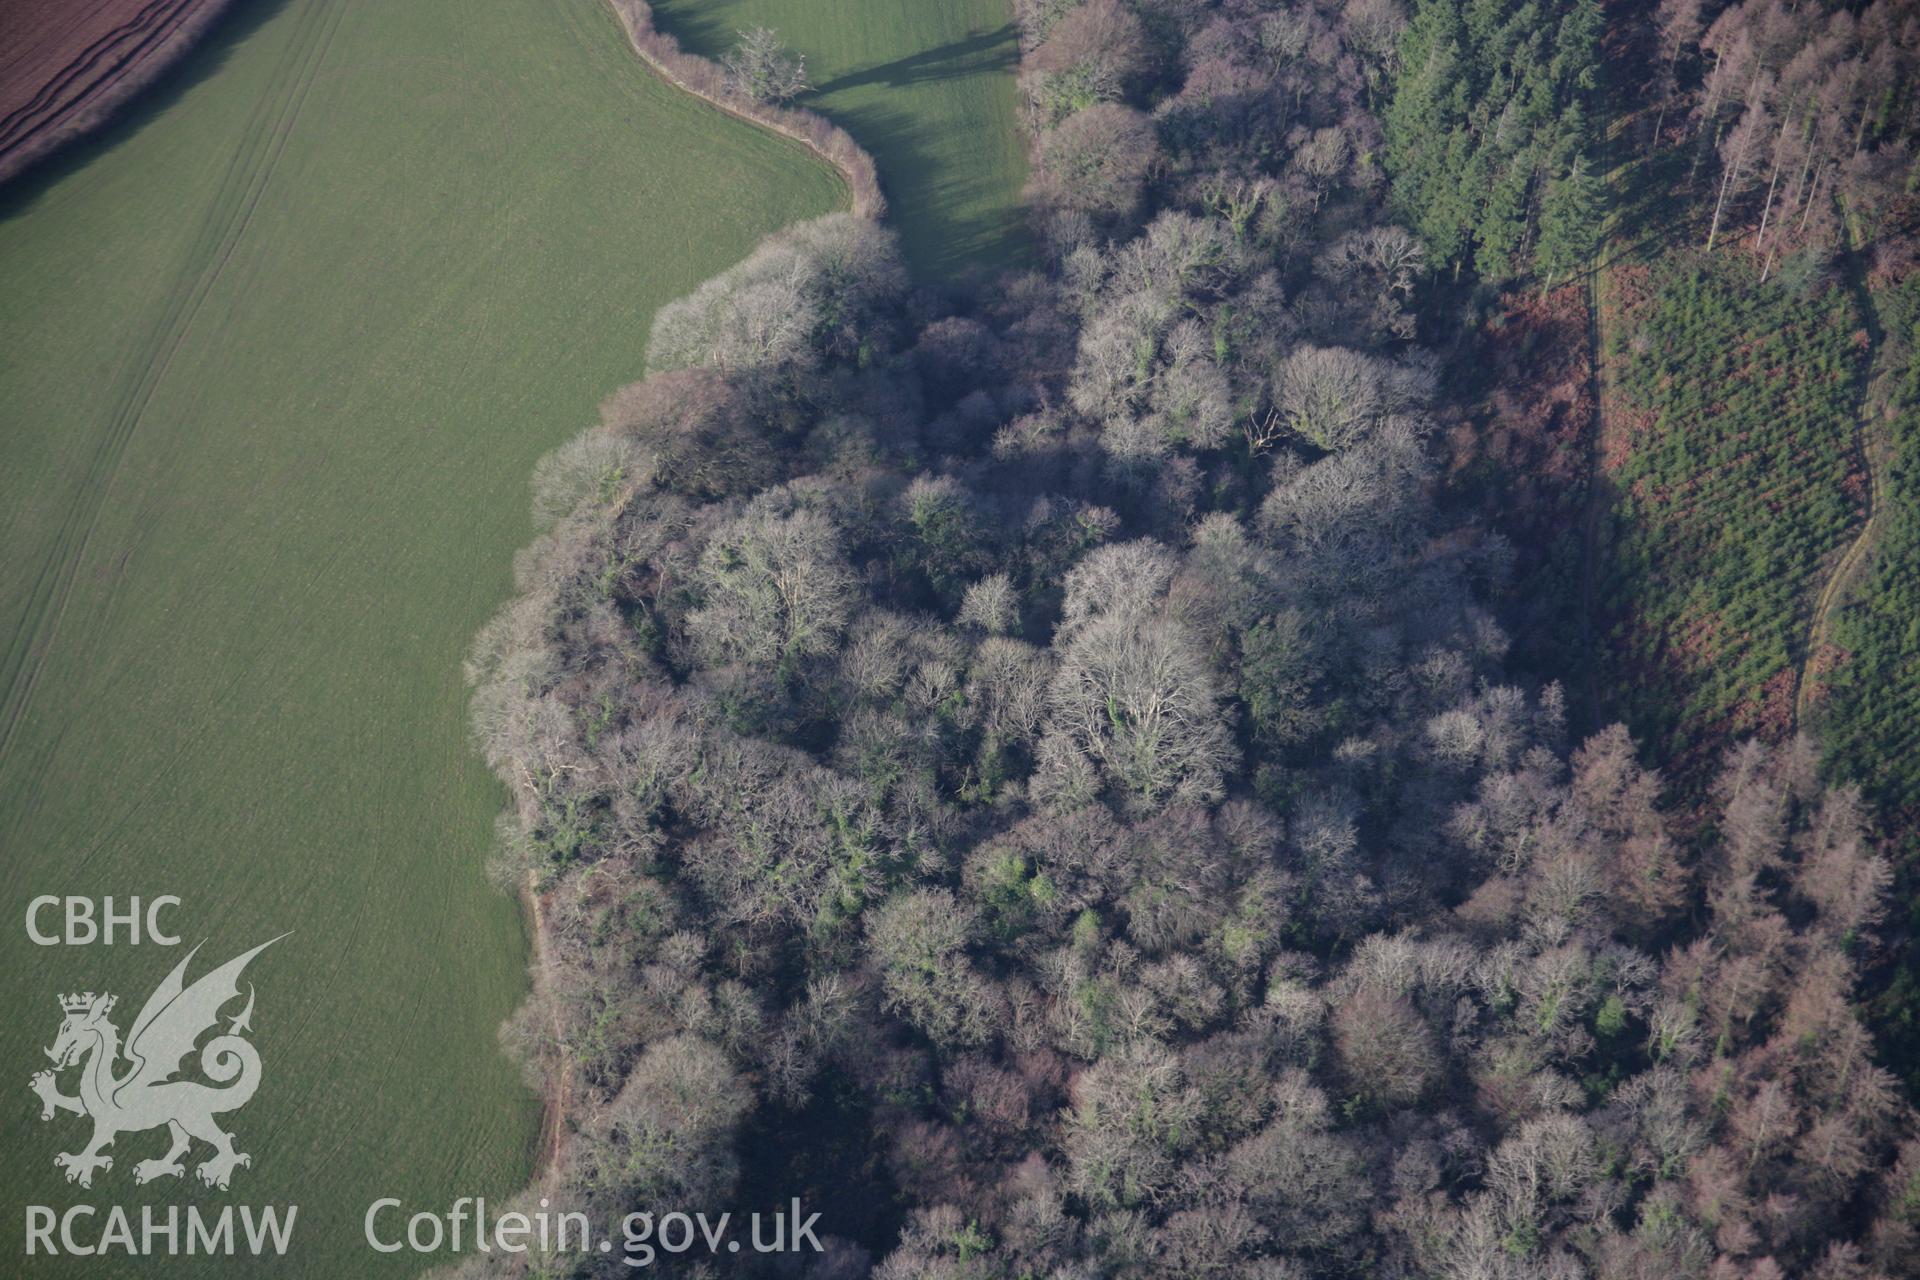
x=928, y=88
x=280, y=352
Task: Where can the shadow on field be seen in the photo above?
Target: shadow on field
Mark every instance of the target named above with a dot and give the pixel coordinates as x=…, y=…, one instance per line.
x=953, y=222
x=698, y=31
x=949, y=221
x=242, y=19
x=989, y=51
x=927, y=195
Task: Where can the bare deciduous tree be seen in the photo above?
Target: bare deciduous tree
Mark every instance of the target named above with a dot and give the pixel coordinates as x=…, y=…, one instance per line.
x=1097, y=161
x=1135, y=696
x=594, y=464
x=774, y=587
x=806, y=293
x=700, y=427
x=1125, y=578
x=1328, y=395
x=668, y=1131
x=1091, y=55
x=1385, y=1048
x=992, y=605
x=919, y=941
x=760, y=68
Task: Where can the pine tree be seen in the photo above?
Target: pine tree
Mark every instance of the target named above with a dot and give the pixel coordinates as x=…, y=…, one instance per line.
x=1569, y=223
x=1487, y=101
x=1502, y=225
x=1425, y=146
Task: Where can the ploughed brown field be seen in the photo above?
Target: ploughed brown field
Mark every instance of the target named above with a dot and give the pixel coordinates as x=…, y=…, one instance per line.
x=65, y=64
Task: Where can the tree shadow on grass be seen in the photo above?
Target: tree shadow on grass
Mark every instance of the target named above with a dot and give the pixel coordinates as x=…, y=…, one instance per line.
x=954, y=223
x=698, y=30
x=952, y=219
x=208, y=55
x=987, y=51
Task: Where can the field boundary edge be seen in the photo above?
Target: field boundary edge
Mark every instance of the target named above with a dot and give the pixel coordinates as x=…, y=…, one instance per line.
x=706, y=80
x=159, y=43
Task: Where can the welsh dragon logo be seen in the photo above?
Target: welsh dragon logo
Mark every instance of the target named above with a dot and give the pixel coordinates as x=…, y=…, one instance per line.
x=145, y=1095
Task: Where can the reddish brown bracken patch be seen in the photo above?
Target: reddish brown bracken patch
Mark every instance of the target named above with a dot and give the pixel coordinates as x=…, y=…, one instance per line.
x=1769, y=714
x=1529, y=436
x=1697, y=644
x=1821, y=664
